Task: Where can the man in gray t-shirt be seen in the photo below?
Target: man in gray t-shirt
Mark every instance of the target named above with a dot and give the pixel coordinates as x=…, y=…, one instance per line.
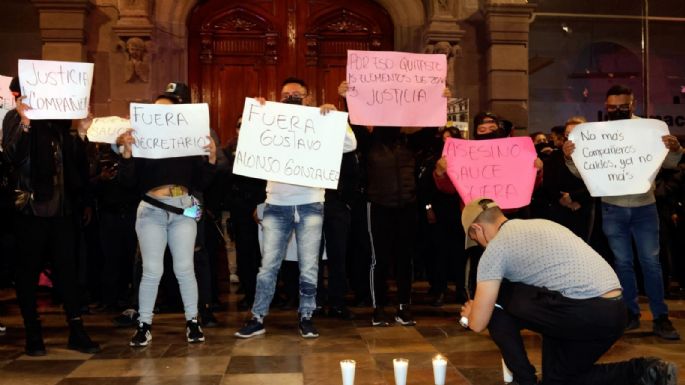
x=538, y=275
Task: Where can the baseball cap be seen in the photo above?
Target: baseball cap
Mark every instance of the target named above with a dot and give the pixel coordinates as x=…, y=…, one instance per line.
x=471, y=212
x=177, y=92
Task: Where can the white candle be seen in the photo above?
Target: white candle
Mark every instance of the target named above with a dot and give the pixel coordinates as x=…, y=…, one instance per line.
x=400, y=365
x=347, y=368
x=439, y=369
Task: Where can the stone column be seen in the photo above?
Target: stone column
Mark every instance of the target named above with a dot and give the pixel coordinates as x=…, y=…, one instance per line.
x=62, y=28
x=442, y=35
x=506, y=28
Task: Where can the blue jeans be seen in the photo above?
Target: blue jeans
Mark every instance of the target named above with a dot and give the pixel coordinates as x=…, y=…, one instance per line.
x=279, y=222
x=621, y=225
x=156, y=228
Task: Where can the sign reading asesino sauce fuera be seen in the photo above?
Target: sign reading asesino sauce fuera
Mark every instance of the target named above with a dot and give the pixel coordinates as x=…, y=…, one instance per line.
x=55, y=89
x=499, y=169
x=7, y=101
x=620, y=157
x=396, y=88
x=107, y=129
x=169, y=130
x=290, y=144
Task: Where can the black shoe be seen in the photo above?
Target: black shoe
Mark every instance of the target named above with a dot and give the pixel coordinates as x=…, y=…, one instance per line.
x=663, y=328
x=403, y=316
x=34, y=340
x=127, y=318
x=79, y=340
x=208, y=319
x=3, y=328
x=658, y=372
x=307, y=328
x=340, y=312
x=194, y=331
x=438, y=300
x=379, y=318
x=251, y=328
x=143, y=335
x=633, y=321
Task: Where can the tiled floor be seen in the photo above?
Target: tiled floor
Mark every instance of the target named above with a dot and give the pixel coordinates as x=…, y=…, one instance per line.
x=281, y=356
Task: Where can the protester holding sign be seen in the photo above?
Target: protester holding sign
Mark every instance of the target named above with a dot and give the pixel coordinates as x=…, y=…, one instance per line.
x=291, y=208
x=633, y=217
x=167, y=215
x=51, y=165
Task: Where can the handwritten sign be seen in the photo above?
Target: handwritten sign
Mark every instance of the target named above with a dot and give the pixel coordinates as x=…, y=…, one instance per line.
x=7, y=102
x=56, y=89
x=499, y=169
x=290, y=144
x=619, y=157
x=169, y=130
x=396, y=89
x=107, y=129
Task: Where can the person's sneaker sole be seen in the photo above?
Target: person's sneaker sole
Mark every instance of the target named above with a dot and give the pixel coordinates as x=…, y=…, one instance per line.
x=309, y=335
x=404, y=323
x=141, y=344
x=253, y=334
x=196, y=340
x=381, y=324
x=655, y=375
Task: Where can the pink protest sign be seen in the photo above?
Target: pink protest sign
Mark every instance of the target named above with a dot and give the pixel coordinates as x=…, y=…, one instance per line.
x=396, y=89
x=499, y=169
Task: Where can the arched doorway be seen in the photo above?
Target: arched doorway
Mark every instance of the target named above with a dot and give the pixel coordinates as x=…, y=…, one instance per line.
x=238, y=49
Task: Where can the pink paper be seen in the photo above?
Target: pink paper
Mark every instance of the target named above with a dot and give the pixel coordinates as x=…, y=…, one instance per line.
x=396, y=89
x=499, y=169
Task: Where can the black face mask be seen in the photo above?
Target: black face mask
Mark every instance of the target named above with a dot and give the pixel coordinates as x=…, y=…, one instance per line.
x=619, y=114
x=491, y=135
x=292, y=99
x=541, y=146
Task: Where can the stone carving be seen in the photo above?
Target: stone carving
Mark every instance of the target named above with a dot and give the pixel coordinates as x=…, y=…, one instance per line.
x=449, y=50
x=137, y=68
x=235, y=24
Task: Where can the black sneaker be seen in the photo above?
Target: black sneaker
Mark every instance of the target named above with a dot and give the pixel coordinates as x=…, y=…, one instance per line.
x=341, y=312
x=379, y=318
x=403, y=316
x=79, y=340
x=143, y=335
x=3, y=328
x=127, y=318
x=307, y=328
x=251, y=328
x=633, y=321
x=658, y=372
x=34, y=340
x=194, y=331
x=663, y=328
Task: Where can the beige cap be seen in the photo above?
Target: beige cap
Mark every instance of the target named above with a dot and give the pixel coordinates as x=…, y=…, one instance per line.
x=471, y=212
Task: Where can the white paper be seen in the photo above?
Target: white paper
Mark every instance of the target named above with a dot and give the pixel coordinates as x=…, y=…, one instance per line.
x=290, y=144
x=107, y=129
x=169, y=130
x=620, y=157
x=55, y=89
x=7, y=102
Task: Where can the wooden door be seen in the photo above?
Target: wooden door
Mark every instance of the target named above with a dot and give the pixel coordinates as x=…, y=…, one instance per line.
x=246, y=48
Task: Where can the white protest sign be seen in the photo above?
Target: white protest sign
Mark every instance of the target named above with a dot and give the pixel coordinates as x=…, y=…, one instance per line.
x=55, y=89
x=107, y=129
x=290, y=144
x=619, y=157
x=7, y=102
x=169, y=130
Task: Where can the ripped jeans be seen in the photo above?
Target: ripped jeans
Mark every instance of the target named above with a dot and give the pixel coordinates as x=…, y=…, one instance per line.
x=279, y=222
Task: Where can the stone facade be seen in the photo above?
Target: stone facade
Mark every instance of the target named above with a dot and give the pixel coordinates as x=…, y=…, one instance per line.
x=140, y=45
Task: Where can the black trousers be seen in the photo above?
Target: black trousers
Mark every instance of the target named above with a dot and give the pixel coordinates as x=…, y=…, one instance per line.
x=119, y=240
x=392, y=231
x=36, y=237
x=248, y=255
x=575, y=334
x=336, y=230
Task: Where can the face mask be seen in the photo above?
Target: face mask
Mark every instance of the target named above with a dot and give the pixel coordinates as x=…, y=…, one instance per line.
x=491, y=135
x=292, y=99
x=540, y=146
x=619, y=114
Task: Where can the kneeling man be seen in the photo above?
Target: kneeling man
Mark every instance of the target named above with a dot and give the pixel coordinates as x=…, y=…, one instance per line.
x=536, y=274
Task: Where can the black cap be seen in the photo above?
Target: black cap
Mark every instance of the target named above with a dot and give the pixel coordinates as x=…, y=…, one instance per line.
x=177, y=92
x=14, y=85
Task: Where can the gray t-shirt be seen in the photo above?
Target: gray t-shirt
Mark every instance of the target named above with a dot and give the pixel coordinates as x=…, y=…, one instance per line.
x=545, y=254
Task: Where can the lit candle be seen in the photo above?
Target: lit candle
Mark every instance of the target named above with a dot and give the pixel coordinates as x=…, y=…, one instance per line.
x=347, y=369
x=400, y=365
x=439, y=369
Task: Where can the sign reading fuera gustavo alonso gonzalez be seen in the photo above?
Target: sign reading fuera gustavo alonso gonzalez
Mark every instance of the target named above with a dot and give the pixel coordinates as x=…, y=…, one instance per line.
x=290, y=144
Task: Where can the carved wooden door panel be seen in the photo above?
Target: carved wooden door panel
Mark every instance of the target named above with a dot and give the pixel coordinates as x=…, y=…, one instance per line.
x=246, y=48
